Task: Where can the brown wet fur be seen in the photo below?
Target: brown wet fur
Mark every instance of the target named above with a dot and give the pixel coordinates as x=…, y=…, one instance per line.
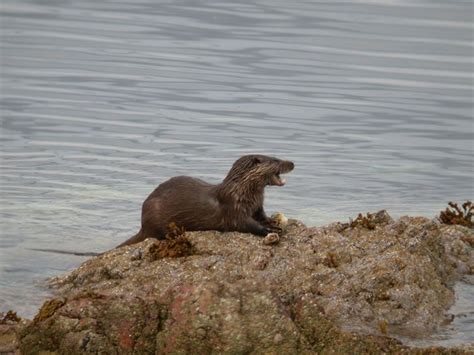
x=236, y=204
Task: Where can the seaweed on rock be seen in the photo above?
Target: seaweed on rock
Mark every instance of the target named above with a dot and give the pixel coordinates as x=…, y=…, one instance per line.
x=176, y=244
x=456, y=215
x=367, y=221
x=9, y=317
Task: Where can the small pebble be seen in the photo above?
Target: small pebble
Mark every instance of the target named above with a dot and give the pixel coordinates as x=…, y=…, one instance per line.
x=201, y=333
x=137, y=255
x=271, y=238
x=278, y=338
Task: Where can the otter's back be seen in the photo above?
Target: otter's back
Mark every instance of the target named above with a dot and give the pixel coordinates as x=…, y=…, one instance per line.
x=188, y=202
x=179, y=185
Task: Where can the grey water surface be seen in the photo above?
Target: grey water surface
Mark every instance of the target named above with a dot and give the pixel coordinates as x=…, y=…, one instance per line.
x=103, y=100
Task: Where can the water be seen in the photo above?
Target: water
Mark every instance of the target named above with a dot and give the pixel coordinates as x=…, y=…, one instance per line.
x=102, y=101
x=461, y=329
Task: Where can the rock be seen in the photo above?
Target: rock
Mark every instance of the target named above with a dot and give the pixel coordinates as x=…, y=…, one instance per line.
x=271, y=238
x=328, y=289
x=137, y=255
x=10, y=324
x=278, y=338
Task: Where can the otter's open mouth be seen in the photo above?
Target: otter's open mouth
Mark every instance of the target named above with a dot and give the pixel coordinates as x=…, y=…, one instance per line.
x=285, y=167
x=277, y=180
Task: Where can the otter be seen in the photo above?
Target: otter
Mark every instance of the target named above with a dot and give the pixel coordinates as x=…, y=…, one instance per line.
x=236, y=204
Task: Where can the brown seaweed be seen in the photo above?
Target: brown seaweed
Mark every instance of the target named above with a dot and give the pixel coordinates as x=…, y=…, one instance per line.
x=367, y=221
x=176, y=244
x=48, y=309
x=456, y=215
x=9, y=317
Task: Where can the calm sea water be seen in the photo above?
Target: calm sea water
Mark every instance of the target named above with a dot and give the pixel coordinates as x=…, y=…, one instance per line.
x=102, y=101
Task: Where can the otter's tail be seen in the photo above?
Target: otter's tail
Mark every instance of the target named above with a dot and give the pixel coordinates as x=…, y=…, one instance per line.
x=140, y=236
x=57, y=251
x=137, y=238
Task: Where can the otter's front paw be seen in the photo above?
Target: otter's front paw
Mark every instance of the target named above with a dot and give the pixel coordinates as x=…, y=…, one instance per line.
x=272, y=225
x=275, y=229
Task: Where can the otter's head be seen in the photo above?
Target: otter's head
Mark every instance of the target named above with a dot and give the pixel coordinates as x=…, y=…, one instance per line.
x=259, y=171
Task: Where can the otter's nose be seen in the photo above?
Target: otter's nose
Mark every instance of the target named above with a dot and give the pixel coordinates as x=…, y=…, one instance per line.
x=288, y=165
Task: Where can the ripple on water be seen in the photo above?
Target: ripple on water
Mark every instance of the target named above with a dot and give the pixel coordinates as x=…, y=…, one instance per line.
x=102, y=101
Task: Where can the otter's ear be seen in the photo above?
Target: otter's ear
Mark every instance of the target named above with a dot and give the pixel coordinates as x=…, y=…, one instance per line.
x=256, y=160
